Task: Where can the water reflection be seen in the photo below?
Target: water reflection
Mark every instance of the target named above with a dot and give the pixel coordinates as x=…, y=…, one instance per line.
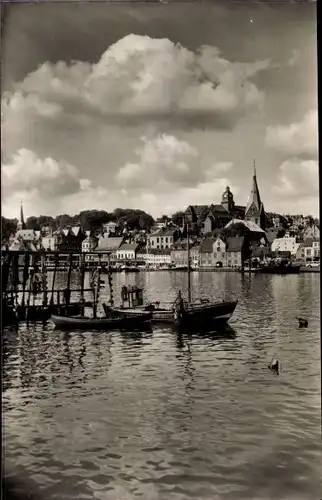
x=161, y=414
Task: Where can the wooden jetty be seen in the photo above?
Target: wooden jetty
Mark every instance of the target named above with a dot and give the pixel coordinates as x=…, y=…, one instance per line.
x=24, y=286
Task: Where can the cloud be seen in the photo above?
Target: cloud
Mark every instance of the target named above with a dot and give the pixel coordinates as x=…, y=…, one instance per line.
x=44, y=184
x=296, y=139
x=298, y=178
x=167, y=163
x=141, y=78
x=167, y=176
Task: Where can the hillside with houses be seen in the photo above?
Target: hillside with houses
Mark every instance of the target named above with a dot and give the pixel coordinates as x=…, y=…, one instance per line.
x=219, y=235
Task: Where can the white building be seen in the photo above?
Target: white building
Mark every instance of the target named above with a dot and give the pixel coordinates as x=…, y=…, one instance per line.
x=285, y=244
x=90, y=243
x=109, y=227
x=127, y=251
x=163, y=238
x=158, y=257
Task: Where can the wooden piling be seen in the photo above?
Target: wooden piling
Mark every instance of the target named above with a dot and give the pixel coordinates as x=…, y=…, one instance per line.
x=53, y=283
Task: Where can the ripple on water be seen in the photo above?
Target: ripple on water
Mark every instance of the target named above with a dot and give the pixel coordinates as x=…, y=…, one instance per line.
x=153, y=415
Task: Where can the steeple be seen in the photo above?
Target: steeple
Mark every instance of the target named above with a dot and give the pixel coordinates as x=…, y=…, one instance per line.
x=21, y=223
x=254, y=197
x=254, y=209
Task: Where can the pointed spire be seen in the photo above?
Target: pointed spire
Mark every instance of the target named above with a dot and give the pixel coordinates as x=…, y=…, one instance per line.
x=21, y=215
x=21, y=223
x=254, y=197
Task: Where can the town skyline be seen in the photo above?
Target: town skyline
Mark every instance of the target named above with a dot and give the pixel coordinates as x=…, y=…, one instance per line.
x=154, y=116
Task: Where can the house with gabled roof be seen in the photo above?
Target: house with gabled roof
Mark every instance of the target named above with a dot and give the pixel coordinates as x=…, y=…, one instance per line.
x=127, y=251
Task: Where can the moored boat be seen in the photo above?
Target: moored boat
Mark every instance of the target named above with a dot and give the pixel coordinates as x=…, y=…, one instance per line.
x=102, y=323
x=282, y=267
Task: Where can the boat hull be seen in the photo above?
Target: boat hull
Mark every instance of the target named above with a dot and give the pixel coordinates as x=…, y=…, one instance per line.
x=83, y=323
x=280, y=270
x=206, y=315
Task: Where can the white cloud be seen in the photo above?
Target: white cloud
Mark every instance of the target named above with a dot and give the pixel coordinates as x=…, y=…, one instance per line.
x=169, y=172
x=27, y=172
x=298, y=179
x=161, y=160
x=141, y=77
x=45, y=185
x=296, y=139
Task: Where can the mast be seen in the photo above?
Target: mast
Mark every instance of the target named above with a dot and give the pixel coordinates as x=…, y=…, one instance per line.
x=189, y=276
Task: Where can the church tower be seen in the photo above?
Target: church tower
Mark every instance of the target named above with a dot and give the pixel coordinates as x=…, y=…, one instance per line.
x=255, y=209
x=227, y=200
x=21, y=224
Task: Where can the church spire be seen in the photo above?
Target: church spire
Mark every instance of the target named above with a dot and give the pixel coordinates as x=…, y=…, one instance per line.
x=21, y=223
x=254, y=211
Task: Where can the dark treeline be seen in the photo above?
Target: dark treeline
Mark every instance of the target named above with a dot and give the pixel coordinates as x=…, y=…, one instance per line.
x=88, y=219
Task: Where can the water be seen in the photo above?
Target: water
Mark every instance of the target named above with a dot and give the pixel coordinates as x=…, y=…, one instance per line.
x=161, y=416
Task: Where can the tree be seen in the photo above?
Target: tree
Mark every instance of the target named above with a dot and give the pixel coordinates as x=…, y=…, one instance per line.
x=177, y=218
x=33, y=223
x=8, y=227
x=93, y=219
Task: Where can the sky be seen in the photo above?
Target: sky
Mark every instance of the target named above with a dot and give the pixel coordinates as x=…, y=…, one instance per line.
x=158, y=106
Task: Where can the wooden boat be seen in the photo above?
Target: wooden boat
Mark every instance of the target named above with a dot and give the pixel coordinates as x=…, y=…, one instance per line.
x=130, y=269
x=102, y=323
x=201, y=315
x=181, y=313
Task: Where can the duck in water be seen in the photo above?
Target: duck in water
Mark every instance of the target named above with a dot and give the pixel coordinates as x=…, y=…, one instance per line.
x=303, y=323
x=274, y=365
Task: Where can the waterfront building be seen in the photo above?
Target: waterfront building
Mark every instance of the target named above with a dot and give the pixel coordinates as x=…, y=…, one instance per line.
x=219, y=252
x=285, y=244
x=52, y=240
x=71, y=239
x=158, y=257
x=308, y=250
x=195, y=255
x=236, y=251
x=90, y=242
x=206, y=252
x=162, y=238
x=108, y=245
x=127, y=251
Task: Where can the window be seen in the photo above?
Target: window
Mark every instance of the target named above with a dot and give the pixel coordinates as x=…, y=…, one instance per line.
x=215, y=254
x=158, y=240
x=166, y=240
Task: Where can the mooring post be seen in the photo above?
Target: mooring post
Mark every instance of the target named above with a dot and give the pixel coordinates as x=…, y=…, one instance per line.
x=54, y=279
x=110, y=282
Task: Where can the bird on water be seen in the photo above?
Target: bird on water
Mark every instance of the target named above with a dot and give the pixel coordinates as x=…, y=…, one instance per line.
x=274, y=365
x=303, y=323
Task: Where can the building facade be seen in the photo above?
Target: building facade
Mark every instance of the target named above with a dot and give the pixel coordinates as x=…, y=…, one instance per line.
x=285, y=244
x=162, y=238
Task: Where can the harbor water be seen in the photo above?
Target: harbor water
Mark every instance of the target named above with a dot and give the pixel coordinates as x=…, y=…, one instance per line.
x=156, y=415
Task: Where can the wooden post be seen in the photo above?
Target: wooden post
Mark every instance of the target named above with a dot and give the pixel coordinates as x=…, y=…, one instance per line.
x=44, y=280
x=82, y=271
x=189, y=274
x=54, y=278
x=110, y=282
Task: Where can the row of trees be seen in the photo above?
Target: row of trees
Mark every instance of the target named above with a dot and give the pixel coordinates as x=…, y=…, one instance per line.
x=88, y=219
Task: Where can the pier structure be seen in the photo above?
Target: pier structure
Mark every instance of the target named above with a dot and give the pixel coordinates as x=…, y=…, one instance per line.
x=26, y=294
